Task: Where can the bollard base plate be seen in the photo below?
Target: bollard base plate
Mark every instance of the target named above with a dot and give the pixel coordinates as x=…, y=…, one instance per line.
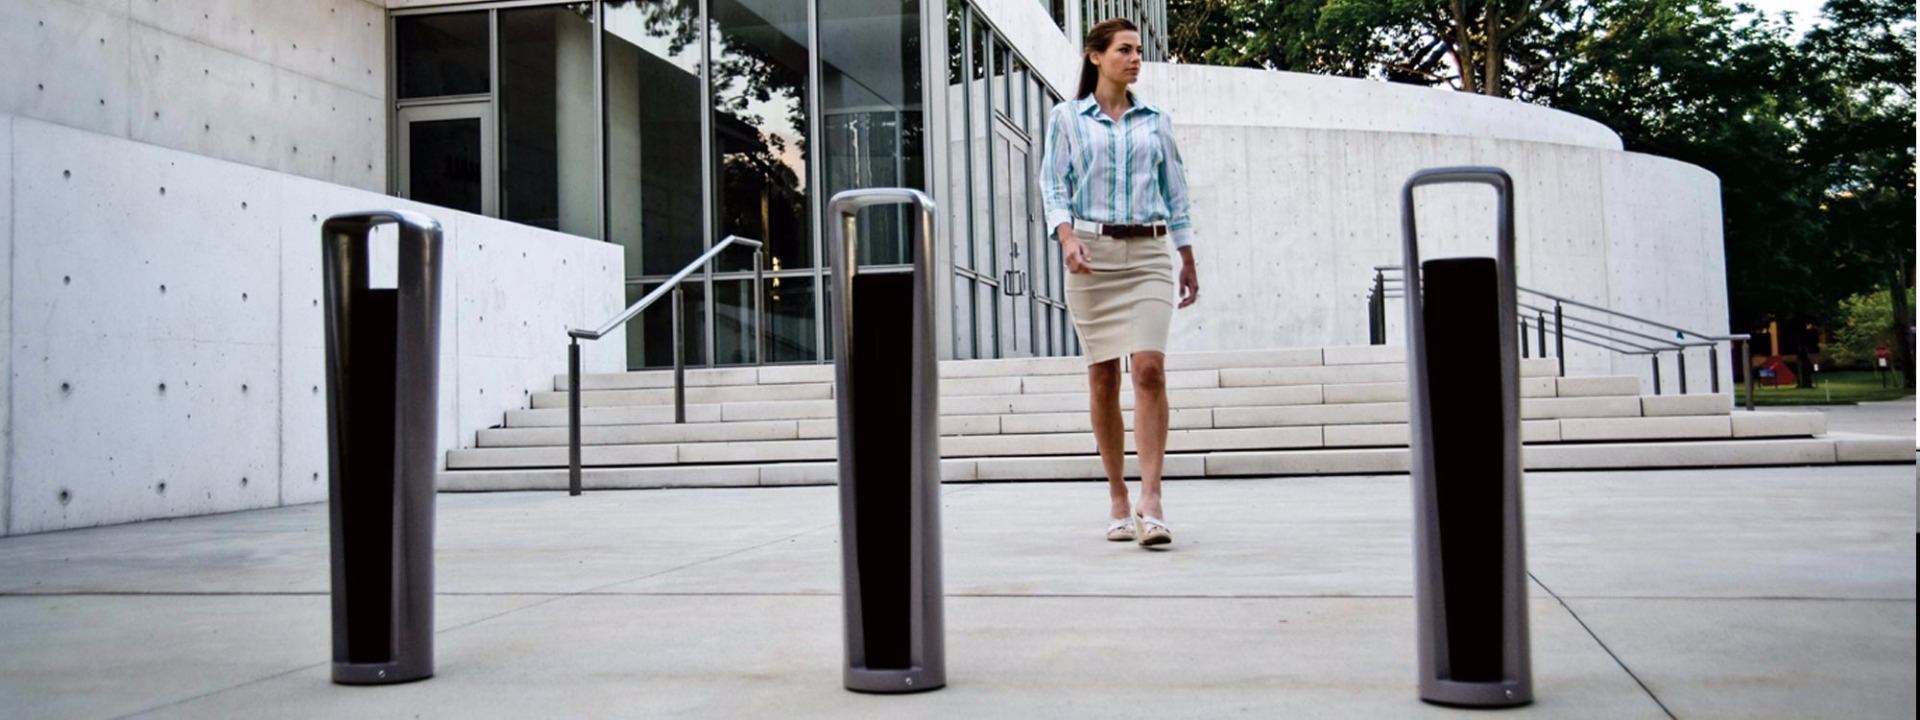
x=894, y=681
x=1476, y=694
x=376, y=674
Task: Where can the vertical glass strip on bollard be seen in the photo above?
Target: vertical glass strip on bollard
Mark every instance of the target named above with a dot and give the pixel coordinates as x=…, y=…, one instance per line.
x=383, y=363
x=1470, y=577
x=887, y=387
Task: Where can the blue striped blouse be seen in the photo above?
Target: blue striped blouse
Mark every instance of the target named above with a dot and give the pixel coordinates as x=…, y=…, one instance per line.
x=1125, y=172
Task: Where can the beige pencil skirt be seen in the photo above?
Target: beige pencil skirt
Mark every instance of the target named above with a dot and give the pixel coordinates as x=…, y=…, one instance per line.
x=1125, y=305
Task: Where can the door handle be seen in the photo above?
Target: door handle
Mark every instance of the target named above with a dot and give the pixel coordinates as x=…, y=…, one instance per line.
x=1014, y=283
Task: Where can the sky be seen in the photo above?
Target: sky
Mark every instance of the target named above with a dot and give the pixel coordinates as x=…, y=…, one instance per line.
x=1805, y=12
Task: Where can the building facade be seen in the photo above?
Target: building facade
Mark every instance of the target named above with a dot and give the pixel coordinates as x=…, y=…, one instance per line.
x=664, y=126
x=165, y=165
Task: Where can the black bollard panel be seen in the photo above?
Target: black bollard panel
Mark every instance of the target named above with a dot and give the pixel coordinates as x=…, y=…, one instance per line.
x=1464, y=400
x=887, y=386
x=382, y=360
x=1468, y=459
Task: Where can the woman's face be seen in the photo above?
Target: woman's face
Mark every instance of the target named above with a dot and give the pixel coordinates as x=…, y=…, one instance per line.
x=1120, y=62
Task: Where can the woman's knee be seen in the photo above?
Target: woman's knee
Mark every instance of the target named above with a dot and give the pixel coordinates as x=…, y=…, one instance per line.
x=1149, y=372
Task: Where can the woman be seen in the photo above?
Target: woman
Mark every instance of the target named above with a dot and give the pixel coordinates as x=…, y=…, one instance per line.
x=1115, y=193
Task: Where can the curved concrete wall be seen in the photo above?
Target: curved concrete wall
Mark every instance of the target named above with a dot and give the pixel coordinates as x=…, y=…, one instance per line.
x=1296, y=184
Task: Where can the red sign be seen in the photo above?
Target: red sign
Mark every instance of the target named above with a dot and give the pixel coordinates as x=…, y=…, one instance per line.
x=1880, y=352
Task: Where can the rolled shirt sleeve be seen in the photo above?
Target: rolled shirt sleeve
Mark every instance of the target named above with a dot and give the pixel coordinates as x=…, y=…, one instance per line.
x=1173, y=182
x=1056, y=169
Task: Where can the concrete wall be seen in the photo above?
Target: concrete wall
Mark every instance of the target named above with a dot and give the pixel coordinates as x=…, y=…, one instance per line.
x=295, y=87
x=164, y=341
x=1296, y=183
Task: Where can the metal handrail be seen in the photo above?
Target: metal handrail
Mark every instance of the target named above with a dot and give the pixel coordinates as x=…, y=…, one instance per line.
x=1386, y=287
x=575, y=335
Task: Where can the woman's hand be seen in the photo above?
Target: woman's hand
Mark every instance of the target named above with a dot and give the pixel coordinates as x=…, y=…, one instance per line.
x=1189, y=278
x=1079, y=260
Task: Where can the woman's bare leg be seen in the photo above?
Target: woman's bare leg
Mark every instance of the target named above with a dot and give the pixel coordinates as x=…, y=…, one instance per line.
x=1150, y=426
x=1109, y=429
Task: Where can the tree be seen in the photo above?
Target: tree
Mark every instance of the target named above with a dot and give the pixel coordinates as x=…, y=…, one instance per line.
x=1860, y=141
x=1472, y=45
x=1867, y=324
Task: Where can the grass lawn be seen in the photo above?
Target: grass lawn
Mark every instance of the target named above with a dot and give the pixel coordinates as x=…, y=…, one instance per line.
x=1844, y=387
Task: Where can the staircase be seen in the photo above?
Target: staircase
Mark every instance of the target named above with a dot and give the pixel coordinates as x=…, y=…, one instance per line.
x=1313, y=411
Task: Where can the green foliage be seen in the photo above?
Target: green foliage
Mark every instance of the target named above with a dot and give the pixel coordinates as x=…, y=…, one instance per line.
x=1866, y=322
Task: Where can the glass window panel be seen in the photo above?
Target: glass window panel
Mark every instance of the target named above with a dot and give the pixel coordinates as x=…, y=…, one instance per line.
x=1017, y=104
x=987, y=311
x=443, y=163
x=789, y=314
x=979, y=134
x=870, y=102
x=963, y=319
x=1001, y=63
x=759, y=71
x=442, y=54
x=548, y=174
x=652, y=77
x=649, y=336
x=957, y=195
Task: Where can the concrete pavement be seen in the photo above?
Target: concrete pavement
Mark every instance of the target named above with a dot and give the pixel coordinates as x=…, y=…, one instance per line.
x=1777, y=592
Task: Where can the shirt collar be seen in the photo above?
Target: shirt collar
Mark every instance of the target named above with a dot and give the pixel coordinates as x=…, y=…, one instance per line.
x=1089, y=106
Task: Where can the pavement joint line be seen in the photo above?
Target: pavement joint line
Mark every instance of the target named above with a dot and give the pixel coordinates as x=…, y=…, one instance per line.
x=647, y=576
x=1603, y=646
x=471, y=623
x=211, y=693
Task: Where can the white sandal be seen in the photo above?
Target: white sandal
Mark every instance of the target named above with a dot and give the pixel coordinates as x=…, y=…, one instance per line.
x=1151, y=530
x=1120, y=530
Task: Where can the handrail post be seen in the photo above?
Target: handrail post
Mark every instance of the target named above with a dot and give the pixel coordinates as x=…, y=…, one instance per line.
x=573, y=416
x=759, y=308
x=1526, y=337
x=1542, y=332
x=1681, y=359
x=1656, y=371
x=1560, y=336
x=1746, y=368
x=1713, y=362
x=1377, y=309
x=679, y=361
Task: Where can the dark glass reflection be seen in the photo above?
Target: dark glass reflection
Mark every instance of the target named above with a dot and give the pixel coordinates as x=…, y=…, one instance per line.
x=759, y=72
x=653, y=133
x=442, y=54
x=548, y=176
x=443, y=163
x=789, y=314
x=870, y=97
x=956, y=198
x=650, y=336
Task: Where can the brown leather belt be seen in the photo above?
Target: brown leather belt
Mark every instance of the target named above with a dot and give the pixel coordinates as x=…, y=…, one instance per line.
x=1133, y=231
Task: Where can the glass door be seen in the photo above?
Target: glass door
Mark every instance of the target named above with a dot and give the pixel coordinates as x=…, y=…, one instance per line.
x=1013, y=174
x=447, y=156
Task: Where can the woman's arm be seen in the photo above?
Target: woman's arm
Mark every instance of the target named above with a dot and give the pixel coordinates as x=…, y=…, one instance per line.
x=1173, y=181
x=1056, y=188
x=1173, y=178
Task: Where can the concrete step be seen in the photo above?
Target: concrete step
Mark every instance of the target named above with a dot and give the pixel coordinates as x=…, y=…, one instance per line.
x=1359, y=424
x=1825, y=450
x=790, y=442
x=1023, y=367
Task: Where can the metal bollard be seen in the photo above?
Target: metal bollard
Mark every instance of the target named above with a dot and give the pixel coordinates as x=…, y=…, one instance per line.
x=887, y=385
x=1469, y=543
x=383, y=362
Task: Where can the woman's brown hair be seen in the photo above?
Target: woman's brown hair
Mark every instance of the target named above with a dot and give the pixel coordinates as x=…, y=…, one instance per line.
x=1098, y=40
